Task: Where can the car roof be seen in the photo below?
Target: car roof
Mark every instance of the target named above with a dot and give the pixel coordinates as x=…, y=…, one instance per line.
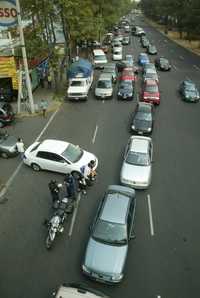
x=105, y=75
x=139, y=144
x=151, y=82
x=53, y=146
x=98, y=52
x=115, y=208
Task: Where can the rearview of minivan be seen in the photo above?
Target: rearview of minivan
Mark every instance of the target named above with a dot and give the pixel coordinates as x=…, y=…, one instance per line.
x=99, y=58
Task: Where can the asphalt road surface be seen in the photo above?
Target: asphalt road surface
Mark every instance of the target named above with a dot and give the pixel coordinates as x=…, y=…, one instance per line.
x=163, y=260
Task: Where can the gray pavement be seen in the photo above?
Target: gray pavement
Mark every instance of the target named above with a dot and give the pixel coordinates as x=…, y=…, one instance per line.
x=165, y=264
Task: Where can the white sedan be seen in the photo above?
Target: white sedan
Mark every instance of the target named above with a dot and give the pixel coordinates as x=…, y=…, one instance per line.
x=117, y=55
x=57, y=156
x=136, y=168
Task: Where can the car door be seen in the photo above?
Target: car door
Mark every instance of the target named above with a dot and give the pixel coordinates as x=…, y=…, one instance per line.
x=52, y=162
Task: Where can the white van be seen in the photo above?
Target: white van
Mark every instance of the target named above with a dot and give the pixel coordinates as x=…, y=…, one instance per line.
x=77, y=291
x=99, y=58
x=104, y=87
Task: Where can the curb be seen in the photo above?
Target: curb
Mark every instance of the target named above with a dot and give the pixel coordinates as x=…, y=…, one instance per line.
x=26, y=114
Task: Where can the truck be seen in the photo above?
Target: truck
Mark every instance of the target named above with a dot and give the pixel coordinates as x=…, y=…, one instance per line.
x=80, y=77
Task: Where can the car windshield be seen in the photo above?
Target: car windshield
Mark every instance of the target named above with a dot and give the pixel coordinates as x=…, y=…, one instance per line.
x=72, y=153
x=143, y=116
x=151, y=88
x=126, y=85
x=100, y=58
x=137, y=158
x=109, y=232
x=105, y=84
x=77, y=83
x=190, y=88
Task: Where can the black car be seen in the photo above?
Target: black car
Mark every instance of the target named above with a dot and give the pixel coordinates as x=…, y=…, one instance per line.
x=126, y=90
x=189, y=91
x=143, y=119
x=151, y=49
x=7, y=145
x=162, y=64
x=6, y=114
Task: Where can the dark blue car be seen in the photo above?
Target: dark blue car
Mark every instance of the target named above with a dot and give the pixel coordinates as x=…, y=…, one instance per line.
x=143, y=59
x=126, y=90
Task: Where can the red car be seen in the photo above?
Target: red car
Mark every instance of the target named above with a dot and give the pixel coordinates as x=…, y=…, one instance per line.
x=127, y=75
x=150, y=92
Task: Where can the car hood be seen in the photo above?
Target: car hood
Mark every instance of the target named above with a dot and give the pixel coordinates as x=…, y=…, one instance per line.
x=105, y=258
x=135, y=173
x=8, y=142
x=142, y=124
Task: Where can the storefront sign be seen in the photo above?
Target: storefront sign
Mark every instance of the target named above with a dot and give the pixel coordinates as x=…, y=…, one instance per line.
x=8, y=13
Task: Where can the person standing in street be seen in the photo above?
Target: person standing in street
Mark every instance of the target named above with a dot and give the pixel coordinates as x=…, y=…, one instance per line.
x=49, y=80
x=43, y=107
x=20, y=147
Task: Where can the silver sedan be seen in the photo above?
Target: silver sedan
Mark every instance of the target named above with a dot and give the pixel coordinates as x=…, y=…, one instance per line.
x=136, y=169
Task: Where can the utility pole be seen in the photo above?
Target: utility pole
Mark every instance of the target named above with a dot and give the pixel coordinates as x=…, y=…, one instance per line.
x=28, y=81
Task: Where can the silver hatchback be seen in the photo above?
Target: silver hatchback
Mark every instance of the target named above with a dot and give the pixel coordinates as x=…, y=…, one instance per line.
x=111, y=231
x=136, y=168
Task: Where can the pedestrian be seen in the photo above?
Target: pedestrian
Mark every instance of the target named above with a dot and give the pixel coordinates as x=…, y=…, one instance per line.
x=20, y=147
x=71, y=186
x=49, y=80
x=54, y=190
x=43, y=107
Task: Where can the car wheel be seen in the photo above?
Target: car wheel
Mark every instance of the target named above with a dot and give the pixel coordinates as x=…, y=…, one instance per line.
x=4, y=155
x=35, y=167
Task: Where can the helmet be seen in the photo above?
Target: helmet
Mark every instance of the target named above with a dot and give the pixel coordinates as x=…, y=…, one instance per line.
x=91, y=163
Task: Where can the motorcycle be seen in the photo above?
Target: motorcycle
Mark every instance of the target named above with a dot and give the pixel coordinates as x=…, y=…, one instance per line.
x=55, y=224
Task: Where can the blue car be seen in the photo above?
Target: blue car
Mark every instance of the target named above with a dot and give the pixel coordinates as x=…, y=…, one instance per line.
x=143, y=59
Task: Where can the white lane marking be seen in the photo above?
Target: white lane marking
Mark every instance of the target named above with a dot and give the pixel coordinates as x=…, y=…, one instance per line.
x=174, y=66
x=150, y=215
x=181, y=57
x=74, y=216
x=103, y=101
x=195, y=66
x=95, y=134
x=10, y=180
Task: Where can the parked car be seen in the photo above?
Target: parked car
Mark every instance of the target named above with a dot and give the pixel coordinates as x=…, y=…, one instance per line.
x=99, y=58
x=76, y=290
x=150, y=92
x=57, y=156
x=126, y=40
x=143, y=118
x=151, y=49
x=112, y=69
x=111, y=231
x=7, y=145
x=136, y=168
x=126, y=90
x=189, y=91
x=104, y=87
x=143, y=59
x=6, y=114
x=162, y=64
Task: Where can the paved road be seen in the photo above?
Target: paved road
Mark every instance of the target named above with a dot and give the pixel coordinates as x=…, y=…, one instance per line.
x=161, y=262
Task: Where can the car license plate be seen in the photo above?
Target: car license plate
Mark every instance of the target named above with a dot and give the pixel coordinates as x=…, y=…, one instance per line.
x=140, y=132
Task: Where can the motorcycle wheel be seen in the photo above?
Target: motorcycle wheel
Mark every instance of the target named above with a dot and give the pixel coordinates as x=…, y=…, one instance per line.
x=48, y=243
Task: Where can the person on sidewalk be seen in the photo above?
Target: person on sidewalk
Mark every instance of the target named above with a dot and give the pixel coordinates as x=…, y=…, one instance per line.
x=20, y=147
x=43, y=107
x=49, y=80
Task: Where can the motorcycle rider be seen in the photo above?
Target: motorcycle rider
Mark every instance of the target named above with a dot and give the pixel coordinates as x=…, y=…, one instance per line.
x=88, y=173
x=54, y=190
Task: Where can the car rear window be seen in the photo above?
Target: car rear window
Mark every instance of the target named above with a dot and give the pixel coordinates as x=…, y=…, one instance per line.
x=151, y=88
